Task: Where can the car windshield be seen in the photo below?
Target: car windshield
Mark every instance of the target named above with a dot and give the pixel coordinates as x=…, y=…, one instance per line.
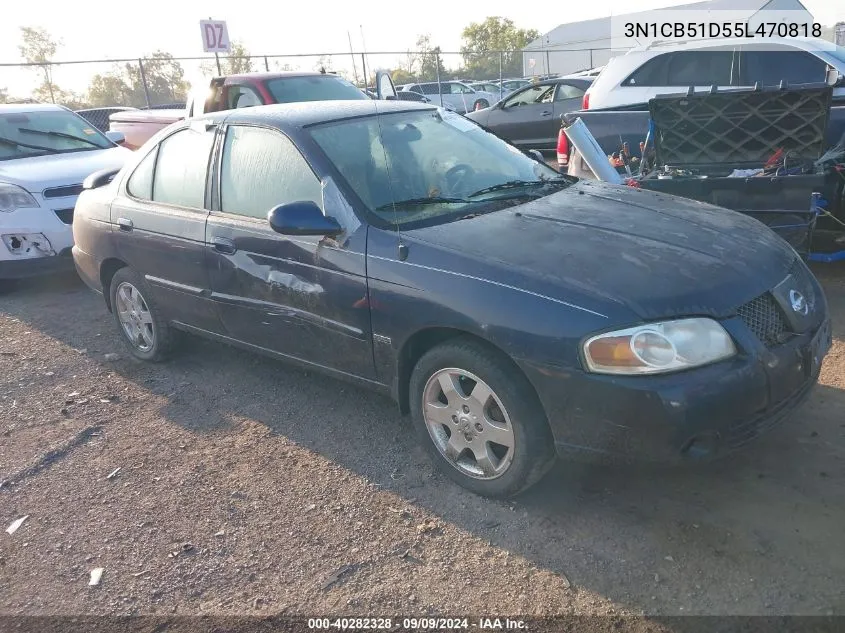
x=314, y=88
x=35, y=133
x=431, y=166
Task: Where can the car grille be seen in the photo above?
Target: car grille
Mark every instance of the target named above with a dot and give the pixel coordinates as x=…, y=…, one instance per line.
x=63, y=192
x=65, y=215
x=763, y=317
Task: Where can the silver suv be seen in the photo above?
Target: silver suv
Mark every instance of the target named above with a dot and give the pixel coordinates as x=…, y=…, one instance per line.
x=454, y=93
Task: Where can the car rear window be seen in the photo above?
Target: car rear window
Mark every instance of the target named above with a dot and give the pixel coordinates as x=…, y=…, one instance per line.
x=313, y=88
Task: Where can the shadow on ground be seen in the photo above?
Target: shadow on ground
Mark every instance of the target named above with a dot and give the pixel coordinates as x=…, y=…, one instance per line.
x=759, y=532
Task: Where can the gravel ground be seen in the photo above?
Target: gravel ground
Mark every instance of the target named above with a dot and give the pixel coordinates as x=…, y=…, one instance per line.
x=248, y=487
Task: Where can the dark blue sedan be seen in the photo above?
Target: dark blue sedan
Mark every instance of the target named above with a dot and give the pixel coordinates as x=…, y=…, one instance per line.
x=515, y=313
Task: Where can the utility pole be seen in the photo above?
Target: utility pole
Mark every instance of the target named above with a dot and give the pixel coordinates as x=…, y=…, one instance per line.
x=352, y=55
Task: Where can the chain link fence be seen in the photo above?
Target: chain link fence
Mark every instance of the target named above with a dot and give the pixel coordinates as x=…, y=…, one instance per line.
x=162, y=80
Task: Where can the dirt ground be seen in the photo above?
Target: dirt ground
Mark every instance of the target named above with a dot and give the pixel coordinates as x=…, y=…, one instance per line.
x=249, y=487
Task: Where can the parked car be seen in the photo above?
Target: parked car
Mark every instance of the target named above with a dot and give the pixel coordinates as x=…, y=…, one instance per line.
x=510, y=309
x=670, y=67
x=99, y=117
x=245, y=91
x=515, y=84
x=530, y=117
x=46, y=151
x=458, y=95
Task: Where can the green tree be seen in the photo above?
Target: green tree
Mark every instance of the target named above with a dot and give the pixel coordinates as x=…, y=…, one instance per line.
x=482, y=40
x=238, y=60
x=38, y=47
x=163, y=75
x=165, y=79
x=111, y=89
x=430, y=60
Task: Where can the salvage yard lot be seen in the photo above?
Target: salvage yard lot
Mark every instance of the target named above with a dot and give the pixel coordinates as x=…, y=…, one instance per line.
x=248, y=486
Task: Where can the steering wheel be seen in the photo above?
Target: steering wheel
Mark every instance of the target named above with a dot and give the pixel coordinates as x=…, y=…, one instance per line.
x=457, y=175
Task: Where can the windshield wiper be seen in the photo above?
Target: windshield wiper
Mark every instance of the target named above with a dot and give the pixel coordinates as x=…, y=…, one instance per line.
x=515, y=184
x=416, y=202
x=61, y=135
x=9, y=141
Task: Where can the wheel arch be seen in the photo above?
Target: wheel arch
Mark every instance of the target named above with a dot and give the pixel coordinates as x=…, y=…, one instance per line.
x=421, y=341
x=108, y=269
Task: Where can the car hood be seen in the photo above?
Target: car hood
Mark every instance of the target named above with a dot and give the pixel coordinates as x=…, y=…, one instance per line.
x=479, y=116
x=36, y=173
x=614, y=249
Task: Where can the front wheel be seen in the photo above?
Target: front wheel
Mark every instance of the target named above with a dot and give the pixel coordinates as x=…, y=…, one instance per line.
x=480, y=419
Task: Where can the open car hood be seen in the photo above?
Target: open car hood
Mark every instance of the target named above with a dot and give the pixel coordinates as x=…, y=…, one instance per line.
x=741, y=128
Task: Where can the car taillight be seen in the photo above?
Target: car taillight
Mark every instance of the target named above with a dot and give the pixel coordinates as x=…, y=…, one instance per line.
x=585, y=104
x=562, y=149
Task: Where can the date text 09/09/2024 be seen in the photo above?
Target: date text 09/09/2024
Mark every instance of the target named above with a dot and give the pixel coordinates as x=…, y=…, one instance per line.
x=696, y=30
x=416, y=624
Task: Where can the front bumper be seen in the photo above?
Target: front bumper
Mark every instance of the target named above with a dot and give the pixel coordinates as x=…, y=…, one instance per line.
x=696, y=414
x=36, y=266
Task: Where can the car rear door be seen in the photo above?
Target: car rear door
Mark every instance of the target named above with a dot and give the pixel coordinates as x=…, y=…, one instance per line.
x=299, y=296
x=159, y=220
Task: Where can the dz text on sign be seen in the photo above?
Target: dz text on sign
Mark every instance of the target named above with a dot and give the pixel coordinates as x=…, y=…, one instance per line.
x=215, y=36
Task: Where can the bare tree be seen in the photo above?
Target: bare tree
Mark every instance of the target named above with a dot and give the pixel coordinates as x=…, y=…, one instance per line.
x=38, y=47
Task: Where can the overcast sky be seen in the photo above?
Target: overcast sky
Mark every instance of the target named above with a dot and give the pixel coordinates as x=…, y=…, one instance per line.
x=99, y=29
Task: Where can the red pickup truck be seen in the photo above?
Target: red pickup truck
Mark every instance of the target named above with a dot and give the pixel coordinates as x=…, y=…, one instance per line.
x=242, y=91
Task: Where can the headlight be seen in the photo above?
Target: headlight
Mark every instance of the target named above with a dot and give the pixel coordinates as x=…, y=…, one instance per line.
x=657, y=348
x=13, y=197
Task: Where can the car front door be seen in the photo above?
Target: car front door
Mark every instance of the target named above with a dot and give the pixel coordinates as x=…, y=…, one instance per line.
x=159, y=224
x=775, y=64
x=525, y=117
x=299, y=296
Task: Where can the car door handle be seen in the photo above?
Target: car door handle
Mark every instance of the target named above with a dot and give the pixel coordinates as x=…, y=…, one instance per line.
x=546, y=113
x=223, y=245
x=125, y=224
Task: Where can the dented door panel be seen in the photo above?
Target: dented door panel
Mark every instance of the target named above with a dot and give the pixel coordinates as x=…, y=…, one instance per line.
x=304, y=297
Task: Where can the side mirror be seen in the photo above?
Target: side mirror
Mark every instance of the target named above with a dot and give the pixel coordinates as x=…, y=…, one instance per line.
x=99, y=178
x=536, y=155
x=118, y=138
x=834, y=77
x=302, y=218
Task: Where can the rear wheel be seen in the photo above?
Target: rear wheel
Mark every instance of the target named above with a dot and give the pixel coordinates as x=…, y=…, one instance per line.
x=138, y=318
x=479, y=419
x=481, y=103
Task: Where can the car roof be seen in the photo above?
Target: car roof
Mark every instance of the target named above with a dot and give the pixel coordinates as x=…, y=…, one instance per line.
x=804, y=43
x=14, y=108
x=279, y=74
x=304, y=114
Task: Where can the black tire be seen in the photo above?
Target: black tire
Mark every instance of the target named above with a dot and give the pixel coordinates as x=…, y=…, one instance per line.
x=482, y=102
x=533, y=446
x=164, y=337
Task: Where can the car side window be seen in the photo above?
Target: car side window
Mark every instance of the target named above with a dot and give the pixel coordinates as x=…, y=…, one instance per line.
x=565, y=92
x=182, y=167
x=534, y=94
x=771, y=67
x=429, y=89
x=140, y=183
x=242, y=97
x=652, y=73
x=261, y=169
x=700, y=68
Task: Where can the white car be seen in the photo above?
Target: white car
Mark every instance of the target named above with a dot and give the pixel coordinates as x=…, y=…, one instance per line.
x=46, y=151
x=665, y=68
x=455, y=94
